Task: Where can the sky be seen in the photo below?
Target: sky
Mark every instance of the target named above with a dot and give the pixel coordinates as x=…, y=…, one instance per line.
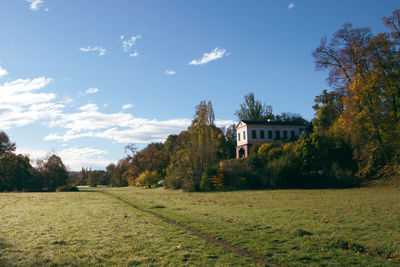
x=83, y=79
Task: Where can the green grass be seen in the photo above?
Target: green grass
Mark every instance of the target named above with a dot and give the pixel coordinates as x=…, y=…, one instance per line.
x=289, y=227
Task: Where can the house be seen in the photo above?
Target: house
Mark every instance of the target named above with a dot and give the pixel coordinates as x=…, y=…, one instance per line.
x=251, y=132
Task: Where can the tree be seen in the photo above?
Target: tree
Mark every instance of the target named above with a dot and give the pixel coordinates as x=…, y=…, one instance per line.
x=148, y=179
x=118, y=178
x=95, y=178
x=196, y=150
x=16, y=173
x=230, y=136
x=254, y=110
x=83, y=176
x=393, y=23
x=151, y=158
x=364, y=72
x=328, y=107
x=6, y=146
x=53, y=172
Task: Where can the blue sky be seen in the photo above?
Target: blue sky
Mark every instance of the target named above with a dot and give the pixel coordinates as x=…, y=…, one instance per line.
x=85, y=78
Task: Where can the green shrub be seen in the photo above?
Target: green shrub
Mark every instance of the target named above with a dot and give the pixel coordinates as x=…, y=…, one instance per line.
x=234, y=174
x=284, y=171
x=67, y=188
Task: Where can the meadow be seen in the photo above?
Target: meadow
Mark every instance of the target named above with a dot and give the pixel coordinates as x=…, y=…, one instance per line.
x=158, y=227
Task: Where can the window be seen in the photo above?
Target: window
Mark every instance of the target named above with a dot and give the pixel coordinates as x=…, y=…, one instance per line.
x=292, y=135
x=269, y=134
x=278, y=135
x=285, y=135
x=301, y=131
x=244, y=135
x=253, y=134
x=238, y=136
x=262, y=136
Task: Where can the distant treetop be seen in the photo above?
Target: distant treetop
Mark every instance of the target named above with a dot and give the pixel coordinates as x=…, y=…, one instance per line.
x=254, y=110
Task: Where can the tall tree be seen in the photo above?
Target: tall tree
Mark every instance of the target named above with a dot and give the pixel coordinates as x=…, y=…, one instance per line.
x=6, y=146
x=364, y=72
x=252, y=109
x=197, y=150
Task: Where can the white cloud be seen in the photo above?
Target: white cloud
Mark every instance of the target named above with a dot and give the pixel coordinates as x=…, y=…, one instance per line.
x=92, y=90
x=3, y=72
x=170, y=72
x=21, y=92
x=129, y=43
x=74, y=158
x=118, y=127
x=207, y=57
x=224, y=123
x=89, y=108
x=134, y=54
x=127, y=106
x=35, y=4
x=99, y=49
x=291, y=5
x=21, y=104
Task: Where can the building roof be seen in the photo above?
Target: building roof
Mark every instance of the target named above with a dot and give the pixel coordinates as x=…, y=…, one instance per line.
x=272, y=123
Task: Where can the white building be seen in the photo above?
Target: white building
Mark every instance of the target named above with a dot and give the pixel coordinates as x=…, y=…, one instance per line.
x=250, y=132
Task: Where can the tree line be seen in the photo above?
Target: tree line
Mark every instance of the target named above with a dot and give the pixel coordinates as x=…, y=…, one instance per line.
x=17, y=173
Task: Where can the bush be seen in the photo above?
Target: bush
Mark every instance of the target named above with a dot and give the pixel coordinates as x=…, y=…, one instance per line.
x=284, y=171
x=148, y=179
x=67, y=188
x=234, y=174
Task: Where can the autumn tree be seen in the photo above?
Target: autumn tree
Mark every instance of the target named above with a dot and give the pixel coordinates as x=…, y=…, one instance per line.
x=147, y=179
x=196, y=151
x=364, y=72
x=252, y=109
x=117, y=172
x=151, y=158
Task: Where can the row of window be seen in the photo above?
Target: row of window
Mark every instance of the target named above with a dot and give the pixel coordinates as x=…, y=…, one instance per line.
x=277, y=134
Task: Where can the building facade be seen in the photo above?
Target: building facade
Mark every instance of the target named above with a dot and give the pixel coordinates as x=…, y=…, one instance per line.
x=251, y=132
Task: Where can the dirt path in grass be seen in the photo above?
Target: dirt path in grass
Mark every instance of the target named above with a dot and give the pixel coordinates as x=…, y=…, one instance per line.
x=237, y=250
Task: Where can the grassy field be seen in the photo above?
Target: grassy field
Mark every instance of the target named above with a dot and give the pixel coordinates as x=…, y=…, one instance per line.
x=119, y=226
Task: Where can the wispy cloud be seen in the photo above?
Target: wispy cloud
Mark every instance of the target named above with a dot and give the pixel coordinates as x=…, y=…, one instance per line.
x=291, y=5
x=101, y=51
x=74, y=158
x=3, y=72
x=119, y=127
x=134, y=54
x=127, y=106
x=92, y=90
x=127, y=44
x=22, y=104
x=35, y=4
x=170, y=72
x=207, y=57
